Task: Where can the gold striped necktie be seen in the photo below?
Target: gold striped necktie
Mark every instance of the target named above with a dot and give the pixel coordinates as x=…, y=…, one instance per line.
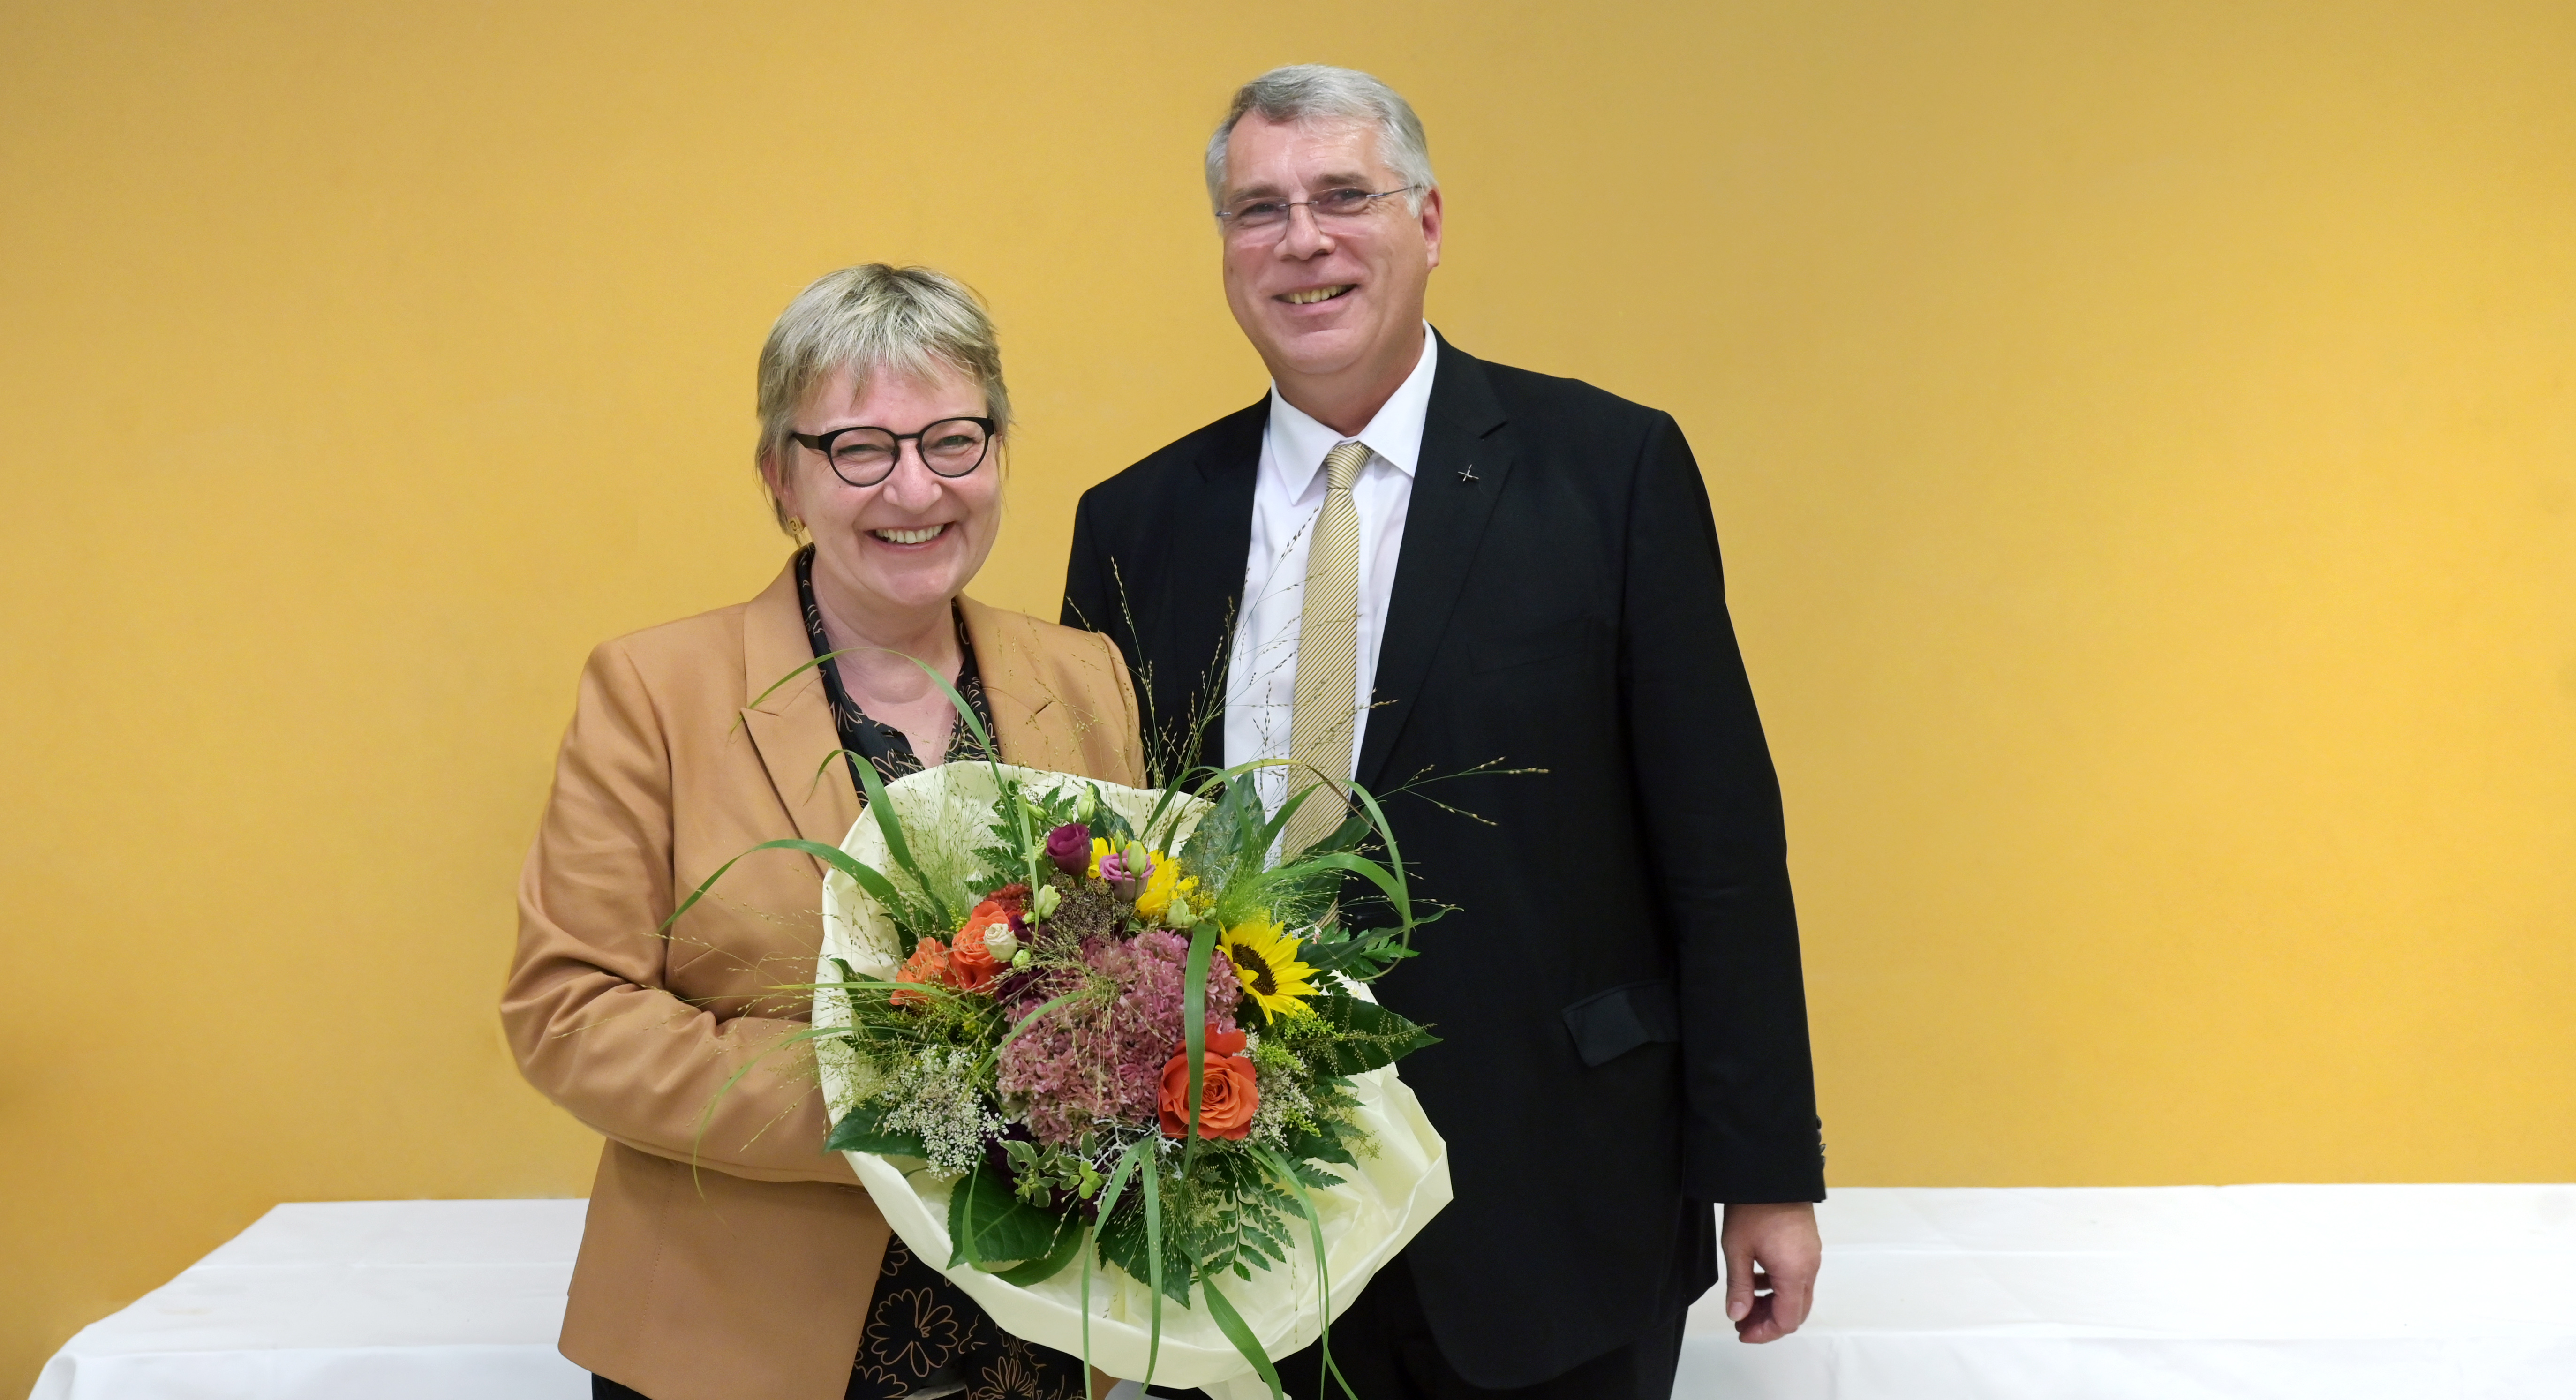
x=1328, y=656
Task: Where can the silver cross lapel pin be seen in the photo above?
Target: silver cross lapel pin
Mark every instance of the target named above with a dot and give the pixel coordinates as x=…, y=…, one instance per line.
x=1469, y=477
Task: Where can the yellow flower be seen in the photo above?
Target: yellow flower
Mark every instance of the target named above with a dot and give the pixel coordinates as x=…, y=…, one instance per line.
x=1165, y=882
x=1265, y=959
x=1155, y=900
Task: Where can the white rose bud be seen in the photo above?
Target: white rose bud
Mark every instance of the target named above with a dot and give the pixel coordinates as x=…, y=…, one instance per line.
x=1001, y=942
x=1043, y=903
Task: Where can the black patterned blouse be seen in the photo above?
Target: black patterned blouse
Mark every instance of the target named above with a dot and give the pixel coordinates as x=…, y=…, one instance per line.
x=924, y=1337
x=885, y=745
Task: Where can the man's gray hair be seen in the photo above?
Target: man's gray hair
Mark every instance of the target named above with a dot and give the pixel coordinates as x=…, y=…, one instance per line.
x=1308, y=92
x=870, y=320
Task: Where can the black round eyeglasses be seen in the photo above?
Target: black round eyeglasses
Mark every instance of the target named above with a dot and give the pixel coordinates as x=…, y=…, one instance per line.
x=864, y=456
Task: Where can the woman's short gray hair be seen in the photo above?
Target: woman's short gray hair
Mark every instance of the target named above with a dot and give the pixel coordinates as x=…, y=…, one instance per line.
x=874, y=319
x=1306, y=92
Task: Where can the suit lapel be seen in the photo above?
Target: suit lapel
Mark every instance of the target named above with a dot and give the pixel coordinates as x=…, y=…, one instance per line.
x=1188, y=630
x=1444, y=520
x=792, y=727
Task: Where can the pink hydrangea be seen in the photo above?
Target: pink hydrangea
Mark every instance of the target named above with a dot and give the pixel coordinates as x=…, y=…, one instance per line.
x=1093, y=1060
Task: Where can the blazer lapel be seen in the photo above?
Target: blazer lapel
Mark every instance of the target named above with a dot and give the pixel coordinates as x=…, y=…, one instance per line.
x=1027, y=715
x=1444, y=520
x=791, y=727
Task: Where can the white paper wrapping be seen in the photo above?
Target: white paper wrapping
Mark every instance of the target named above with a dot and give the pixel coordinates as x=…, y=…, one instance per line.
x=1367, y=1219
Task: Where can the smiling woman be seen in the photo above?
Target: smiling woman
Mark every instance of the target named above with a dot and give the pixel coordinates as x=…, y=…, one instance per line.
x=725, y=1253
x=864, y=363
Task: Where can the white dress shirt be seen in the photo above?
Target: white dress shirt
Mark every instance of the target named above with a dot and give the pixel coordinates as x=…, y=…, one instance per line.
x=1261, y=679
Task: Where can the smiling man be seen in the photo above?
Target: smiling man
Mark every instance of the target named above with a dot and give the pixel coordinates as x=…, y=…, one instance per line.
x=1406, y=561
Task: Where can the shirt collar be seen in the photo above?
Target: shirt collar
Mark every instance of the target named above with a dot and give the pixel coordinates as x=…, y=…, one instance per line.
x=1298, y=442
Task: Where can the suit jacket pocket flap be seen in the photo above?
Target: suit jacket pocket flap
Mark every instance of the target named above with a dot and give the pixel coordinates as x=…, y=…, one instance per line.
x=1607, y=1025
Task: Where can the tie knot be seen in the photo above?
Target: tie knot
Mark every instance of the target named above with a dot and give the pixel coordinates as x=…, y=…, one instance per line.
x=1342, y=465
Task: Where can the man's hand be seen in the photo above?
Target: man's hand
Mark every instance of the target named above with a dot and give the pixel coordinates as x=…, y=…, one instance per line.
x=1771, y=1257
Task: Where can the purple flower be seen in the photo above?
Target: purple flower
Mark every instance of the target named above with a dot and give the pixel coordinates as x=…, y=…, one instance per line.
x=1127, y=871
x=1069, y=846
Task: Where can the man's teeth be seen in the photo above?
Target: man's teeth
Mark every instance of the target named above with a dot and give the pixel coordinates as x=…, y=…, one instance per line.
x=921, y=536
x=1309, y=298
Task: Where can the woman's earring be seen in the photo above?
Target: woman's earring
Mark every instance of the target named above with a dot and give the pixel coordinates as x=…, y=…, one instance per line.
x=796, y=526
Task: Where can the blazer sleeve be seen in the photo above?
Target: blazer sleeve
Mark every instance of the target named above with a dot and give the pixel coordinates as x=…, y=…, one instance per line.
x=1710, y=803
x=585, y=1008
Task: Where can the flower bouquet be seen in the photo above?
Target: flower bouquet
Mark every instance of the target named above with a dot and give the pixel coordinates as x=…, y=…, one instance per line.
x=1111, y=1063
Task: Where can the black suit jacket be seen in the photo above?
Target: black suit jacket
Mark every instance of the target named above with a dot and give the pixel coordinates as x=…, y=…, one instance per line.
x=1622, y=1012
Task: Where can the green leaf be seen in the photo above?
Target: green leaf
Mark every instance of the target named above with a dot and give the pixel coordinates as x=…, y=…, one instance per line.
x=1340, y=950
x=1169, y=804
x=1367, y=1035
x=1140, y=1151
x=1237, y=1332
x=891, y=827
x=1120, y=1236
x=1400, y=895
x=1194, y=1027
x=1106, y=823
x=861, y=1130
x=1124, y=1241
x=1154, y=1268
x=1217, y=845
x=1068, y=1240
x=1289, y=1172
x=1346, y=837
x=1316, y=1147
x=867, y=878
x=1388, y=882
x=990, y=1226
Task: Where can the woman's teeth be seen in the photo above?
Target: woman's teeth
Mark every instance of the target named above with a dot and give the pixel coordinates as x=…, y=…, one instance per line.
x=1310, y=297
x=921, y=536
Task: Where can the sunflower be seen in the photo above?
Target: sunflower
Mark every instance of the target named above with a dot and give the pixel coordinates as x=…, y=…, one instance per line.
x=1265, y=958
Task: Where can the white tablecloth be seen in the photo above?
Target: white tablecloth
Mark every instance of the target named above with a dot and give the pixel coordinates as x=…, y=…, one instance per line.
x=353, y=1300
x=2174, y=1293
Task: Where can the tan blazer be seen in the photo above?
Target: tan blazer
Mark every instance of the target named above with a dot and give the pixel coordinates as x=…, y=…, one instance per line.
x=726, y=1255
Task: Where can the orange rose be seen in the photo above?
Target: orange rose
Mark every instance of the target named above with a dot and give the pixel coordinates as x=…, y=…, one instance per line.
x=1227, y=1095
x=970, y=960
x=928, y=966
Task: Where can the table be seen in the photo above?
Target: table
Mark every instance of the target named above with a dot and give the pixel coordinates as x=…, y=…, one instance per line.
x=351, y=1300
x=2174, y=1293
x=2348, y=1292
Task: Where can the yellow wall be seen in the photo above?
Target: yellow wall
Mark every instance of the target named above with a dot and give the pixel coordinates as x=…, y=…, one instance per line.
x=2142, y=433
